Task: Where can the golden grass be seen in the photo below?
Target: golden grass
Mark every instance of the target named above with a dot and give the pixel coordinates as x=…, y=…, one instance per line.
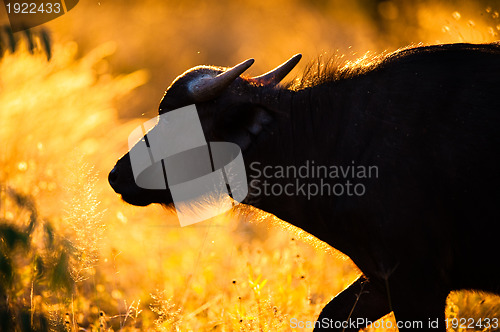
x=134, y=268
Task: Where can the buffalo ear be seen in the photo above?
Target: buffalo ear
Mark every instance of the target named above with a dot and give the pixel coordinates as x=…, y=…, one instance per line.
x=242, y=125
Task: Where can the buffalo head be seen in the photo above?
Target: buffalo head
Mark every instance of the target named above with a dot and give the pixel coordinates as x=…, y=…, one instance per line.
x=231, y=108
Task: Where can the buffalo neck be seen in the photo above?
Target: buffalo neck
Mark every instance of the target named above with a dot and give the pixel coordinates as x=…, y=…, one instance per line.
x=305, y=133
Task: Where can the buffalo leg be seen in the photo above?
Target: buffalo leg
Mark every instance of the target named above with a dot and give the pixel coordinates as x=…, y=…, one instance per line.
x=360, y=303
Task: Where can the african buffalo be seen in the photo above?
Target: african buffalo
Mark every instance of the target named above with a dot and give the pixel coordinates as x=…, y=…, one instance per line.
x=427, y=118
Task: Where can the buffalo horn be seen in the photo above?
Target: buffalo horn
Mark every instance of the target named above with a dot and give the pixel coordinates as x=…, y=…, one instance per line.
x=207, y=88
x=277, y=74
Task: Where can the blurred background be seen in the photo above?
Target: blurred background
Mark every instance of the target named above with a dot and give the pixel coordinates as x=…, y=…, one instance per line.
x=74, y=257
x=168, y=37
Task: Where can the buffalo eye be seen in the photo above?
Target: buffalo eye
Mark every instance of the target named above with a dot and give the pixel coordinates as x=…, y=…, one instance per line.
x=241, y=124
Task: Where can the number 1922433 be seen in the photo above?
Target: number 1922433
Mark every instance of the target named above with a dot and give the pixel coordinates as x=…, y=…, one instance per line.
x=33, y=8
x=471, y=323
